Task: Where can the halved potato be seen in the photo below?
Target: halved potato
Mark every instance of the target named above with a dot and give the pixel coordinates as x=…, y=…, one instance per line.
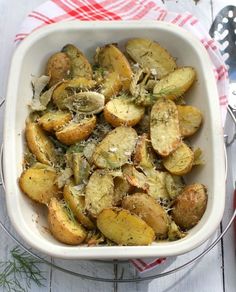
x=75, y=132
x=116, y=148
x=111, y=58
x=40, y=144
x=58, y=68
x=39, y=183
x=52, y=121
x=151, y=55
x=118, y=112
x=190, y=119
x=124, y=228
x=164, y=127
x=149, y=210
x=180, y=161
x=76, y=202
x=190, y=206
x=156, y=183
x=176, y=83
x=80, y=66
x=111, y=85
x=62, y=227
x=99, y=192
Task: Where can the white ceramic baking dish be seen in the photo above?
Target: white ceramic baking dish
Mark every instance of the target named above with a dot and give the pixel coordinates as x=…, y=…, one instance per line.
x=29, y=59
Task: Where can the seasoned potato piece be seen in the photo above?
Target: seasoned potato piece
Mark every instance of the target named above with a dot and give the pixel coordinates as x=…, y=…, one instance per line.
x=116, y=148
x=121, y=188
x=76, y=202
x=164, y=127
x=58, y=68
x=80, y=66
x=75, y=132
x=118, y=112
x=40, y=144
x=144, y=155
x=39, y=183
x=124, y=228
x=68, y=88
x=111, y=58
x=174, y=185
x=180, y=161
x=149, y=210
x=81, y=168
x=134, y=177
x=190, y=206
x=62, y=227
x=176, y=83
x=99, y=192
x=151, y=55
x=111, y=86
x=52, y=121
x=190, y=119
x=156, y=183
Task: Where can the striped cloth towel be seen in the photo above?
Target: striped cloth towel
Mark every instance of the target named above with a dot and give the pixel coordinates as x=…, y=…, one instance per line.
x=53, y=11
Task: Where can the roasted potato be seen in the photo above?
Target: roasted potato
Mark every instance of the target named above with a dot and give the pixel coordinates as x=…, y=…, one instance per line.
x=58, y=68
x=151, y=55
x=99, y=192
x=40, y=144
x=76, y=202
x=116, y=148
x=156, y=184
x=80, y=66
x=164, y=127
x=174, y=185
x=190, y=206
x=118, y=112
x=176, y=83
x=75, y=132
x=39, y=183
x=111, y=85
x=81, y=168
x=190, y=119
x=62, y=227
x=180, y=161
x=111, y=58
x=121, y=189
x=52, y=121
x=124, y=228
x=149, y=210
x=135, y=177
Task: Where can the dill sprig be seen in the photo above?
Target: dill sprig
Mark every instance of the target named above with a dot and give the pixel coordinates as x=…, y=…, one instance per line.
x=21, y=267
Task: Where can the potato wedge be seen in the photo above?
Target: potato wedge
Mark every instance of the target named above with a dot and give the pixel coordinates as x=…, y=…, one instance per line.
x=124, y=228
x=80, y=66
x=111, y=86
x=39, y=183
x=111, y=58
x=75, y=132
x=180, y=161
x=116, y=148
x=190, y=206
x=76, y=202
x=40, y=144
x=164, y=127
x=151, y=55
x=149, y=210
x=52, y=121
x=144, y=155
x=62, y=227
x=190, y=119
x=118, y=112
x=99, y=192
x=58, y=68
x=176, y=83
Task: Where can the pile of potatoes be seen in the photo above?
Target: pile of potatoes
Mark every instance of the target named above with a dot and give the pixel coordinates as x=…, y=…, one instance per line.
x=107, y=146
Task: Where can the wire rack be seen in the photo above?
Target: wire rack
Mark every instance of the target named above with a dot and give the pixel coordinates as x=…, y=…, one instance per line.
x=92, y=272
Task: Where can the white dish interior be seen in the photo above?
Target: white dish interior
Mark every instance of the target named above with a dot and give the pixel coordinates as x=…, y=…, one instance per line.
x=30, y=58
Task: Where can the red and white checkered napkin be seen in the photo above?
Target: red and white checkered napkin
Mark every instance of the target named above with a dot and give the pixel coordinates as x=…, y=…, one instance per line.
x=53, y=11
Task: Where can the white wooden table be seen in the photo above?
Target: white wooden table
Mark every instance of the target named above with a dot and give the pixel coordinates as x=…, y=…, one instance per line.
x=214, y=272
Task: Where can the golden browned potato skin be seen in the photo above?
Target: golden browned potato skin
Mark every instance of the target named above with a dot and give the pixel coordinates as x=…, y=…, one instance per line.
x=124, y=228
x=52, y=121
x=40, y=144
x=190, y=206
x=61, y=227
x=149, y=210
x=58, y=68
x=75, y=132
x=39, y=183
